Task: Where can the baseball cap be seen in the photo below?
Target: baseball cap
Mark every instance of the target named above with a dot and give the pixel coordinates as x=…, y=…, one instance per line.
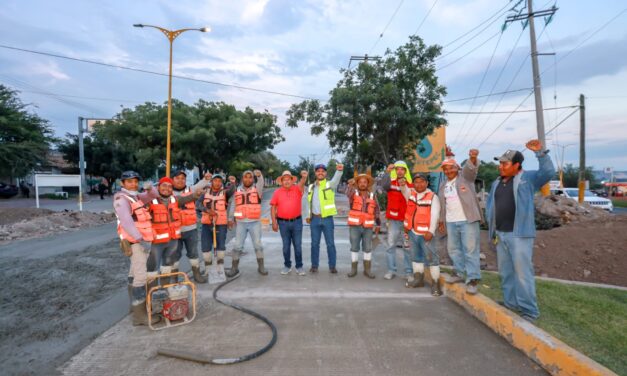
x=165, y=179
x=179, y=172
x=320, y=165
x=421, y=176
x=513, y=156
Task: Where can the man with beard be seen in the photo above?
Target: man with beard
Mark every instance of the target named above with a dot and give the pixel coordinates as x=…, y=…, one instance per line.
x=363, y=221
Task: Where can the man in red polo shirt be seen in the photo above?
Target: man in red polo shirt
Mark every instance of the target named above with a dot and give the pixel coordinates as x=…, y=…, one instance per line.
x=286, y=211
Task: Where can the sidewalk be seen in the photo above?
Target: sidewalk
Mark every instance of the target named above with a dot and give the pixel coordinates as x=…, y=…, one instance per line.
x=327, y=324
x=91, y=203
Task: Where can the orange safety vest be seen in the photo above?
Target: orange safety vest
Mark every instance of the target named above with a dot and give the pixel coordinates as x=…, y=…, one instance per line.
x=357, y=216
x=188, y=214
x=141, y=217
x=396, y=202
x=247, y=204
x=218, y=204
x=418, y=215
x=166, y=221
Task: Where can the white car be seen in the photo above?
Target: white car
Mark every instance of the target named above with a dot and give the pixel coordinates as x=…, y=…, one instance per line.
x=589, y=198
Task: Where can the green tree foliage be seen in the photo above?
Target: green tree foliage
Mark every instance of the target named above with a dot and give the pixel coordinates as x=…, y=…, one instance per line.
x=25, y=138
x=571, y=176
x=206, y=135
x=488, y=172
x=384, y=107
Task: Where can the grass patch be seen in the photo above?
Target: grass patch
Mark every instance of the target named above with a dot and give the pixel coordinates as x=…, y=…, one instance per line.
x=590, y=319
x=619, y=203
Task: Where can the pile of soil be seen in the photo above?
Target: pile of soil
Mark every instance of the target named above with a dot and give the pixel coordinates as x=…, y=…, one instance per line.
x=566, y=210
x=27, y=223
x=583, y=251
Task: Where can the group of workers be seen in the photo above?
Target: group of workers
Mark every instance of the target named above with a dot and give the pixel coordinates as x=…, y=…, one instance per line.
x=154, y=226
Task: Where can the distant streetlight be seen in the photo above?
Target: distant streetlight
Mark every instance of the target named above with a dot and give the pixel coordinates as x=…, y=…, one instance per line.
x=171, y=35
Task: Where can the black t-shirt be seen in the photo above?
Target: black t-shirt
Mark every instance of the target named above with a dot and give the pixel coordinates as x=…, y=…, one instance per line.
x=505, y=206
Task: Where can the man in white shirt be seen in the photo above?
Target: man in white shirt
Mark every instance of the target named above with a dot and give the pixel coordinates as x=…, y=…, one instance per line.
x=460, y=210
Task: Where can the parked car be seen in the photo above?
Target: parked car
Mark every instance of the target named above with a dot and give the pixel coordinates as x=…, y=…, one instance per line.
x=8, y=190
x=588, y=197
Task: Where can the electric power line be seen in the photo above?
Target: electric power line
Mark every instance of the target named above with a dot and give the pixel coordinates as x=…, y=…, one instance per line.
x=503, y=112
x=497, y=14
x=386, y=26
x=152, y=72
x=425, y=17
x=485, y=73
x=488, y=95
x=469, y=52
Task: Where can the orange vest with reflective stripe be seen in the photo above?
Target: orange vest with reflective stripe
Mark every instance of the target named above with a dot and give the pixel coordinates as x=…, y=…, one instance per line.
x=397, y=205
x=188, y=214
x=418, y=215
x=362, y=211
x=166, y=221
x=141, y=217
x=247, y=204
x=216, y=203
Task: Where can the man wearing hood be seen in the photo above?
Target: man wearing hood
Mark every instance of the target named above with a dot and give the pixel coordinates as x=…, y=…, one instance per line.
x=245, y=214
x=396, y=176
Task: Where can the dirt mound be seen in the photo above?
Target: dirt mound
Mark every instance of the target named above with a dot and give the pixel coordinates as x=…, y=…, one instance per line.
x=585, y=251
x=14, y=215
x=567, y=210
x=42, y=222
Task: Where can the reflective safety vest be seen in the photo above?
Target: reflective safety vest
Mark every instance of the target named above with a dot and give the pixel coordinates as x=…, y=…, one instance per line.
x=166, y=221
x=141, y=217
x=216, y=203
x=247, y=204
x=188, y=214
x=326, y=196
x=397, y=205
x=362, y=210
x=418, y=216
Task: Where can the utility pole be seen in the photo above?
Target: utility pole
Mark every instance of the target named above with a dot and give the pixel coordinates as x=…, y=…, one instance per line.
x=582, y=147
x=81, y=153
x=537, y=85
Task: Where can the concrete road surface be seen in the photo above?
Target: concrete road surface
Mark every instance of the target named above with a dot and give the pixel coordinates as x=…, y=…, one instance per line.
x=327, y=325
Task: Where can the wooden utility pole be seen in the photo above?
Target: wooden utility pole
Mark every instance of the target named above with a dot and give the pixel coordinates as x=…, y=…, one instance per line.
x=582, y=147
x=537, y=84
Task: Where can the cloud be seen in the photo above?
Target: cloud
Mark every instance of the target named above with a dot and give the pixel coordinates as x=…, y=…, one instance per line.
x=49, y=69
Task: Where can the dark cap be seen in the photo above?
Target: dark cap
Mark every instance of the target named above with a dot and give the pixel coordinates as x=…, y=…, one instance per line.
x=130, y=175
x=320, y=165
x=513, y=156
x=421, y=176
x=179, y=172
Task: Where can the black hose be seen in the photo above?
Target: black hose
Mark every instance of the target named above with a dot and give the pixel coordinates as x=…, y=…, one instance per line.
x=200, y=358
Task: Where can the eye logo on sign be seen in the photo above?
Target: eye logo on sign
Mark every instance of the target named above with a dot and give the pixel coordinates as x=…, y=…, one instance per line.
x=424, y=148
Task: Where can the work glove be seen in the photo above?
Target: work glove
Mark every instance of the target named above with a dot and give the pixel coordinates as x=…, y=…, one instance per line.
x=125, y=246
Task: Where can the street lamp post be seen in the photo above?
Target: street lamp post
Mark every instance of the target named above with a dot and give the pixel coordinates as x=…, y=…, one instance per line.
x=171, y=35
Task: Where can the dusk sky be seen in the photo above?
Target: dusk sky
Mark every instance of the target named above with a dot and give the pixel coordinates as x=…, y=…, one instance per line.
x=298, y=48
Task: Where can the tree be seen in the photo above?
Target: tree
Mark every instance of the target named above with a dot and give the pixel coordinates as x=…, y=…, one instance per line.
x=25, y=138
x=488, y=172
x=571, y=176
x=380, y=111
x=207, y=135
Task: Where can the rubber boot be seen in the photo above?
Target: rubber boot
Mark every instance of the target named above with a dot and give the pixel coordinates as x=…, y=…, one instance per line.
x=260, y=267
x=140, y=315
x=367, y=266
x=198, y=277
x=130, y=297
x=353, y=271
x=234, y=269
x=220, y=266
x=174, y=278
x=419, y=281
x=436, y=289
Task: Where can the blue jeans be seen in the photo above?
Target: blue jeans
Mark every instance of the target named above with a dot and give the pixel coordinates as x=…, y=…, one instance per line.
x=241, y=230
x=318, y=227
x=292, y=234
x=395, y=233
x=189, y=240
x=464, y=248
x=206, y=238
x=514, y=256
x=422, y=250
x=359, y=235
x=161, y=254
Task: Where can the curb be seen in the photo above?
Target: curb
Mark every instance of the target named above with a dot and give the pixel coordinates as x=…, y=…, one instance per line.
x=550, y=353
